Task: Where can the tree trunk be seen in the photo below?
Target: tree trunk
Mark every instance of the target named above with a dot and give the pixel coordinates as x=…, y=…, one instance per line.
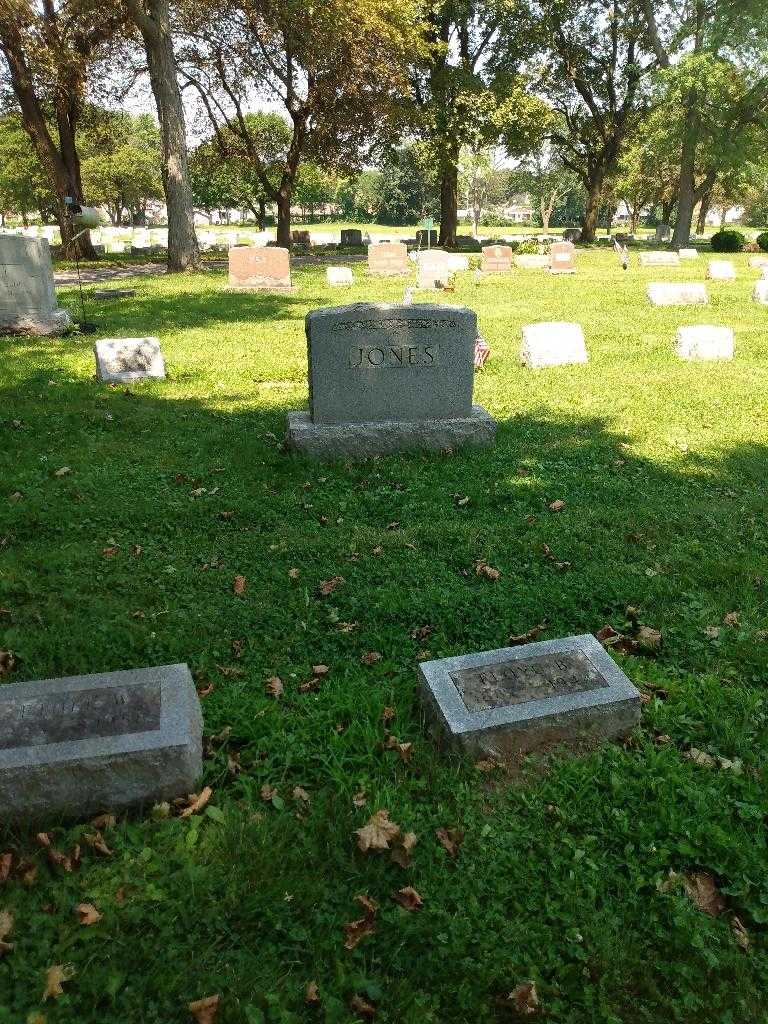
x=704, y=208
x=449, y=196
x=262, y=214
x=284, y=219
x=594, y=187
x=686, y=194
x=724, y=219
x=155, y=28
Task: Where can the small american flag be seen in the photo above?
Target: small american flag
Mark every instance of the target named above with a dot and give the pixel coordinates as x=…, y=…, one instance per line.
x=482, y=353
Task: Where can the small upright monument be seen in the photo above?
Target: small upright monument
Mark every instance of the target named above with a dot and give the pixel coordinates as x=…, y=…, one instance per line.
x=27, y=294
x=387, y=379
x=266, y=268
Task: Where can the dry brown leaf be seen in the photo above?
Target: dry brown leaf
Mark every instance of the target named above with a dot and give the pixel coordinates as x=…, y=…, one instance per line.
x=204, y=1010
x=87, y=913
x=359, y=799
x=267, y=792
x=388, y=714
x=55, y=977
x=450, y=839
x=518, y=639
x=740, y=933
x=701, y=758
x=7, y=662
x=6, y=862
x=347, y=627
x=408, y=898
x=328, y=586
x=238, y=585
x=6, y=927
x=557, y=506
x=96, y=841
x=402, y=850
x=371, y=657
x=649, y=640
x=378, y=833
x=64, y=471
x=104, y=821
x=110, y=551
x=702, y=890
x=524, y=999
x=483, y=569
x=356, y=931
x=274, y=687
x=196, y=802
x=712, y=632
x=311, y=993
x=369, y=906
x=320, y=670
x=294, y=573
x=360, y=1006
x=731, y=619
x=300, y=794
x=310, y=686
x=378, y=551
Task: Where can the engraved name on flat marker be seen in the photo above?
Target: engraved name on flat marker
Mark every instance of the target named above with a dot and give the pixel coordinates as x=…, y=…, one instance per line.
x=80, y=714
x=523, y=680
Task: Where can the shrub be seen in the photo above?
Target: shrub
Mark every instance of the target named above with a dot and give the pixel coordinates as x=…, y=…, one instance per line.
x=529, y=246
x=762, y=241
x=729, y=241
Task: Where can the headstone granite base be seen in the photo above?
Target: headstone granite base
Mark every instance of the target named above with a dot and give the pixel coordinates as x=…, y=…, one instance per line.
x=77, y=746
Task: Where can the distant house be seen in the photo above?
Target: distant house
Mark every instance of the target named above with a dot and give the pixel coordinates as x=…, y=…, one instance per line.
x=519, y=210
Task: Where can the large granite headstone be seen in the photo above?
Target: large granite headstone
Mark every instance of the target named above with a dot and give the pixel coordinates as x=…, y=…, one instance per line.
x=266, y=268
x=351, y=236
x=388, y=259
x=386, y=378
x=517, y=700
x=119, y=360
x=27, y=294
x=77, y=746
x=663, y=232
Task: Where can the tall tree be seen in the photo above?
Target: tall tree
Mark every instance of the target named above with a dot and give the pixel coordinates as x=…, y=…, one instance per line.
x=24, y=186
x=153, y=20
x=337, y=69
x=121, y=162
x=697, y=43
x=592, y=70
x=49, y=49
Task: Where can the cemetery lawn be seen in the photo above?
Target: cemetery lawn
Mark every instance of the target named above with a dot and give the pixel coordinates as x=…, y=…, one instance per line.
x=127, y=513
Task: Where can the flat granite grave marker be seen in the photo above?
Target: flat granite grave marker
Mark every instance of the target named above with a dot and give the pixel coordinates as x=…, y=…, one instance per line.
x=263, y=268
x=531, y=261
x=659, y=259
x=760, y=294
x=553, y=344
x=85, y=744
x=704, y=342
x=119, y=360
x=496, y=259
x=562, y=258
x=339, y=276
x=517, y=700
x=27, y=294
x=662, y=293
x=386, y=378
x=721, y=270
x=388, y=259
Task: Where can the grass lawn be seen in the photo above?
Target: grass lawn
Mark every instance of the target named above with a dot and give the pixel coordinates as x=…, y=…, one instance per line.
x=177, y=487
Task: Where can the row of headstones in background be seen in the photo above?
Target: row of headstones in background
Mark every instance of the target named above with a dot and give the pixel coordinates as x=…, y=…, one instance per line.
x=561, y=344
x=694, y=293
x=27, y=294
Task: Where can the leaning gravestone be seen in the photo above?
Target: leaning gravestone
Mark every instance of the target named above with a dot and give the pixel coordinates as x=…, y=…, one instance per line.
x=388, y=259
x=760, y=294
x=686, y=294
x=562, y=258
x=517, y=700
x=389, y=378
x=351, y=236
x=74, y=747
x=27, y=294
x=659, y=259
x=119, y=360
x=704, y=342
x=553, y=344
x=721, y=270
x=266, y=268
x=496, y=259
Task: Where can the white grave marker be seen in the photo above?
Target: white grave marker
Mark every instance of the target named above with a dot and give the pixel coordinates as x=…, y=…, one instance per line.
x=721, y=270
x=119, y=360
x=686, y=294
x=704, y=342
x=553, y=344
x=339, y=276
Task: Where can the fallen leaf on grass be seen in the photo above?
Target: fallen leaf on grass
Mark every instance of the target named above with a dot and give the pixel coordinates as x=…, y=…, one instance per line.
x=196, y=802
x=408, y=898
x=702, y=890
x=740, y=933
x=64, y=471
x=483, y=569
x=300, y=794
x=347, y=627
x=204, y=1010
x=378, y=833
x=320, y=670
x=55, y=977
x=402, y=850
x=328, y=586
x=712, y=632
x=371, y=657
x=6, y=862
x=405, y=750
x=356, y=931
x=517, y=640
x=294, y=573
x=450, y=839
x=311, y=993
x=388, y=714
x=238, y=585
x=110, y=551
x=731, y=619
x=274, y=687
x=7, y=662
x=267, y=792
x=96, y=841
x=60, y=860
x=557, y=506
x=6, y=927
x=700, y=758
x=524, y=999
x=87, y=914
x=421, y=633
x=359, y=800
x=104, y=821
x=359, y=1005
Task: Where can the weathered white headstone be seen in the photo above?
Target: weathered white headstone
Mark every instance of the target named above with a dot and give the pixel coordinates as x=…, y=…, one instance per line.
x=689, y=254
x=124, y=359
x=659, y=259
x=758, y=262
x=339, y=276
x=760, y=294
x=683, y=294
x=721, y=270
x=530, y=261
x=704, y=342
x=553, y=344
x=27, y=294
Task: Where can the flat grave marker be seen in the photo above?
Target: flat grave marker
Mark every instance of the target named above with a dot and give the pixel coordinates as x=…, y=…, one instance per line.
x=77, y=746
x=760, y=294
x=120, y=360
x=553, y=344
x=659, y=259
x=513, y=701
x=385, y=378
x=721, y=270
x=262, y=268
x=703, y=341
x=662, y=293
x=531, y=261
x=688, y=254
x=339, y=276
